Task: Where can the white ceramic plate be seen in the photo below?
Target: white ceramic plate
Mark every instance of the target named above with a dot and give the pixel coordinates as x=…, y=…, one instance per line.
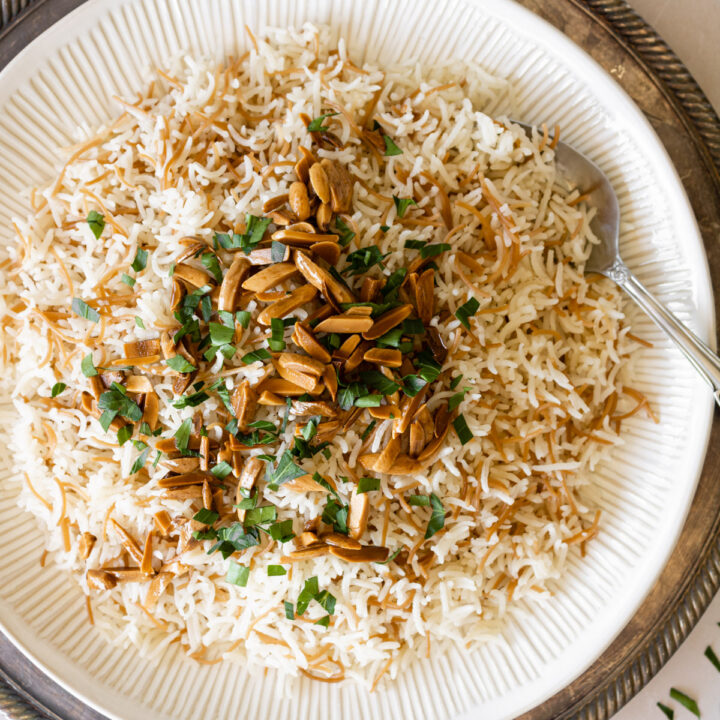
x=103, y=48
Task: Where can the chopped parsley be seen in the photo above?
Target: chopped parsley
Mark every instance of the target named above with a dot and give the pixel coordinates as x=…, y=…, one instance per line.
x=212, y=264
x=124, y=434
x=129, y=281
x=669, y=712
x=81, y=308
x=466, y=311
x=402, y=204
x=437, y=519
x=461, y=428
x=712, y=657
x=237, y=574
x=182, y=434
x=316, y=124
x=686, y=701
x=276, y=570
x=140, y=261
x=390, y=147
x=368, y=484
x=345, y=234
x=180, y=364
x=277, y=329
x=256, y=356
x=221, y=470
x=96, y=221
x=57, y=388
x=360, y=261
x=206, y=517
x=255, y=228
x=139, y=464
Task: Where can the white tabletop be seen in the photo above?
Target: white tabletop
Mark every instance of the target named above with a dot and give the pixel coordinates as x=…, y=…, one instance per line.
x=692, y=29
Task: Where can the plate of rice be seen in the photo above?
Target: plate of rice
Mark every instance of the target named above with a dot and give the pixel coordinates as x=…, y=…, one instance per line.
x=309, y=406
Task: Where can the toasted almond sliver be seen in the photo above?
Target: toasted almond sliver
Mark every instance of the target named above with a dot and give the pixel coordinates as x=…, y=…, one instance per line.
x=279, y=386
x=244, y=402
x=269, y=277
x=100, y=580
x=127, y=574
x=384, y=412
x=146, y=562
x=304, y=408
x=317, y=275
x=356, y=358
x=307, y=382
x=86, y=544
x=409, y=410
x=347, y=348
x=192, y=275
x=331, y=381
x=291, y=302
x=328, y=251
x=341, y=186
x=368, y=553
x=424, y=297
x=204, y=453
x=306, y=553
x=207, y=495
x=263, y=256
x=178, y=293
x=358, y=516
x=369, y=289
x=307, y=538
x=305, y=483
x=128, y=541
x=384, y=356
x=142, y=348
x=138, y=384
x=151, y=410
x=231, y=283
x=319, y=182
x=417, y=439
x=388, y=455
x=361, y=310
x=182, y=464
x=192, y=478
x=326, y=430
x=387, y=322
x=346, y=324
x=163, y=521
x=268, y=398
x=343, y=541
x=250, y=474
x=323, y=216
x=190, y=492
x=274, y=203
x=157, y=588
x=301, y=168
x=436, y=344
x=303, y=337
x=299, y=200
x=301, y=363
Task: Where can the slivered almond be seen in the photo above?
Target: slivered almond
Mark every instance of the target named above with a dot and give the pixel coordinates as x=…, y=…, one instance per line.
x=303, y=337
x=330, y=299
x=387, y=321
x=191, y=492
x=424, y=417
x=331, y=381
x=323, y=216
x=100, y=580
x=281, y=308
x=303, y=227
x=177, y=294
x=270, y=399
x=138, y=384
x=328, y=251
x=204, y=453
x=302, y=166
x=192, y=275
x=167, y=345
x=86, y=544
x=307, y=538
x=182, y=465
x=280, y=217
x=317, y=275
x=163, y=521
x=279, y=386
x=424, y=295
x=343, y=541
x=305, y=483
x=231, y=283
x=353, y=362
x=298, y=200
x=384, y=412
x=269, y=277
x=384, y=357
x=207, y=495
x=151, y=410
x=350, y=417
x=341, y=186
x=96, y=386
x=387, y=455
x=182, y=382
x=263, y=256
x=250, y=474
x=306, y=553
x=128, y=574
x=237, y=463
x=369, y=289
x=244, y=402
x=319, y=182
x=310, y=407
x=191, y=478
x=192, y=247
x=157, y=587
x=360, y=310
x=146, y=562
x=307, y=382
x=442, y=419
x=270, y=295
x=409, y=410
x=301, y=363
x=301, y=238
x=346, y=324
x=368, y=553
x=417, y=439
x=327, y=430
x=320, y=313
x=358, y=516
x=274, y=203
x=142, y=348
x=128, y=541
x=436, y=345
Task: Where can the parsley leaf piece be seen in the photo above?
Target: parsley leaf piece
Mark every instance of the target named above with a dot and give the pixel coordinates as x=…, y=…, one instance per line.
x=323, y=621
x=686, y=701
x=413, y=326
x=455, y=381
x=402, y=204
x=96, y=221
x=455, y=400
x=57, y=388
x=243, y=317
x=412, y=385
x=182, y=434
x=327, y=601
x=124, y=434
x=466, y=311
x=390, y=147
x=437, y=520
x=192, y=400
x=461, y=428
x=277, y=329
x=115, y=398
x=363, y=259
x=276, y=570
x=345, y=234
x=336, y=514
x=286, y=470
x=434, y=250
x=260, y=515
x=289, y=610
x=81, y=308
x=140, y=261
x=368, y=484
x=206, y=517
x=237, y=574
x=390, y=559
x=256, y=356
x=221, y=470
x=129, y=281
x=419, y=500
x=180, y=364
x=369, y=401
x=379, y=382
x=669, y=712
x=212, y=264
x=368, y=430
x=221, y=334
x=282, y=531
x=106, y=419
x=316, y=124
x=307, y=594
x=140, y=462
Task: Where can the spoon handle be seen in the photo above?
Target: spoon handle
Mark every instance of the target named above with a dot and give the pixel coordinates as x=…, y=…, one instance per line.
x=703, y=359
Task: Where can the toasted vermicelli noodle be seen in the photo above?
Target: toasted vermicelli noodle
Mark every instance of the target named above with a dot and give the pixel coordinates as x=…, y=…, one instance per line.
x=538, y=373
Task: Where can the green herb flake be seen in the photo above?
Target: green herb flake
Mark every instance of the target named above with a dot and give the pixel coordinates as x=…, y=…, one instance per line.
x=345, y=234
x=367, y=484
x=390, y=147
x=277, y=330
x=182, y=434
x=437, y=520
x=180, y=364
x=220, y=334
x=369, y=401
x=256, y=356
x=276, y=570
x=243, y=318
x=212, y=264
x=57, y=388
x=129, y=281
x=286, y=470
x=140, y=461
x=96, y=221
x=669, y=712
x=221, y=470
x=412, y=385
x=712, y=657
x=81, y=308
x=455, y=381
x=461, y=428
x=124, y=434
x=237, y=574
x=379, y=382
x=434, y=250
x=686, y=701
x=360, y=261
x=316, y=124
x=390, y=559
x=466, y=311
x=402, y=204
x=323, y=621
x=307, y=594
x=282, y=531
x=455, y=400
x=140, y=261
x=419, y=500
x=289, y=610
x=206, y=517
x=139, y=322
x=368, y=430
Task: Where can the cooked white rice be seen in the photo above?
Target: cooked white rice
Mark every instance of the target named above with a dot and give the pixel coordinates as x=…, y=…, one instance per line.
x=553, y=357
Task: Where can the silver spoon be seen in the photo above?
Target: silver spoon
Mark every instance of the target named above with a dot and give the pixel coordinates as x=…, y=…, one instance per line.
x=605, y=259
